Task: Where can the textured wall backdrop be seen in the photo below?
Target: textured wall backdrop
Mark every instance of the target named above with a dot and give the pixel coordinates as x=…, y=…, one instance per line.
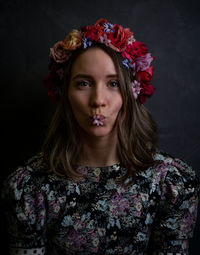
x=171, y=29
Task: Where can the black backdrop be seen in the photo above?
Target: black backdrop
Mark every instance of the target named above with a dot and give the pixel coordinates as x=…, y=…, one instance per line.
x=170, y=28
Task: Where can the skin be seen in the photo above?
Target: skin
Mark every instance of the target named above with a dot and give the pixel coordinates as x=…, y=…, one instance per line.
x=94, y=89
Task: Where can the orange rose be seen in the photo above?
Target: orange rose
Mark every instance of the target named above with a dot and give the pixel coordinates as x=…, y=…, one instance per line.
x=72, y=41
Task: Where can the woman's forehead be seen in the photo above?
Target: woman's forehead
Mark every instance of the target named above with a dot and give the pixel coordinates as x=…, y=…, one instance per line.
x=94, y=62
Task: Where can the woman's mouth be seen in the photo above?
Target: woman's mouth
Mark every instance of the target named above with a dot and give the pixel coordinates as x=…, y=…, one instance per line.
x=98, y=120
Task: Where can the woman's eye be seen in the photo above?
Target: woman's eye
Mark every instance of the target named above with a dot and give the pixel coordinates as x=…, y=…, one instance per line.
x=82, y=83
x=114, y=84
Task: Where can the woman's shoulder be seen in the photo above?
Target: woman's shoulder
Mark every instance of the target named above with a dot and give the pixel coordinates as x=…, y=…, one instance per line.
x=173, y=164
x=28, y=176
x=34, y=166
x=169, y=159
x=175, y=172
x=37, y=162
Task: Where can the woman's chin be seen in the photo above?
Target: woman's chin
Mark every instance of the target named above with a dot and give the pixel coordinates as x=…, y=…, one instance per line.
x=98, y=131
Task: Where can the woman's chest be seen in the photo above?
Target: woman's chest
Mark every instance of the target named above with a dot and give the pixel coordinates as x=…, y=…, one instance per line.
x=100, y=217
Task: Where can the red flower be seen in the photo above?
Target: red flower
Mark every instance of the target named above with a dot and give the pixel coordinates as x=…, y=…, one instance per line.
x=49, y=81
x=53, y=66
x=136, y=49
x=94, y=32
x=146, y=91
x=52, y=95
x=125, y=54
x=145, y=76
x=101, y=22
x=119, y=38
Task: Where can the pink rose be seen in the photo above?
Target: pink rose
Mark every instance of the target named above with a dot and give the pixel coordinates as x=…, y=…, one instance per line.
x=58, y=53
x=143, y=62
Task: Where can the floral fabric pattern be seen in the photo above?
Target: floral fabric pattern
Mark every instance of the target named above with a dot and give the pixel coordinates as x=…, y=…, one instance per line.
x=97, y=215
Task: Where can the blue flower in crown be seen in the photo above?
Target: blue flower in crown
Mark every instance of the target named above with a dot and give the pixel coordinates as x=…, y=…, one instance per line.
x=128, y=64
x=125, y=63
x=86, y=42
x=108, y=27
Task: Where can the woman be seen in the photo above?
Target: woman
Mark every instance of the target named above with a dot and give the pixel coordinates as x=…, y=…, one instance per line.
x=100, y=186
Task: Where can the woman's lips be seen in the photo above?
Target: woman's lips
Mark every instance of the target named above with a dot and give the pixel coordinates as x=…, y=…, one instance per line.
x=98, y=120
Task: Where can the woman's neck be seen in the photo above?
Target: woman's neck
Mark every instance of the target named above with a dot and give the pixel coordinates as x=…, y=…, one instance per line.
x=100, y=151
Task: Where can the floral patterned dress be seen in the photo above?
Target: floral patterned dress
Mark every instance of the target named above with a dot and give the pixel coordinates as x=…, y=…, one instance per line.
x=50, y=214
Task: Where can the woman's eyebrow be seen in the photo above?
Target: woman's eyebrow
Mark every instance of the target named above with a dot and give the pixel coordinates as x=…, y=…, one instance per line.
x=112, y=76
x=87, y=76
x=82, y=76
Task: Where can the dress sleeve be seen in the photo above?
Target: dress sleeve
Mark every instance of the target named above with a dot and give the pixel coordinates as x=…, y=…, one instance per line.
x=25, y=213
x=177, y=212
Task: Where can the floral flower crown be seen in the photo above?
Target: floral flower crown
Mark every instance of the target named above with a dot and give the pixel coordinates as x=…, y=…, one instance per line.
x=134, y=53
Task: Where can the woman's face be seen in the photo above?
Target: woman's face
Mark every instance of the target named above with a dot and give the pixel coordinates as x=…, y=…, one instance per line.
x=94, y=90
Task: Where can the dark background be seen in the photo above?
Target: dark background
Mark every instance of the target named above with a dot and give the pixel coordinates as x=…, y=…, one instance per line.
x=170, y=28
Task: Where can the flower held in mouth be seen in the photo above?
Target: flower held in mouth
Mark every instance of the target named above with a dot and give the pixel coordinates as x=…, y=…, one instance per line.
x=98, y=120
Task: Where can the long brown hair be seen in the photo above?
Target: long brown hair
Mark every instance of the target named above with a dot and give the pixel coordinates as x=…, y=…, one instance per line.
x=137, y=132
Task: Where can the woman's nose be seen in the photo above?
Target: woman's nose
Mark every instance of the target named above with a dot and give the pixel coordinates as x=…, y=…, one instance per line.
x=98, y=97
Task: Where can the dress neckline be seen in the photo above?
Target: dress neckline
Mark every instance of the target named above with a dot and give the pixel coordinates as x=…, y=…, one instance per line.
x=97, y=170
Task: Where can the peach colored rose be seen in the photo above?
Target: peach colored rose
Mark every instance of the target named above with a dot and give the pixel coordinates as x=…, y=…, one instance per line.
x=72, y=41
